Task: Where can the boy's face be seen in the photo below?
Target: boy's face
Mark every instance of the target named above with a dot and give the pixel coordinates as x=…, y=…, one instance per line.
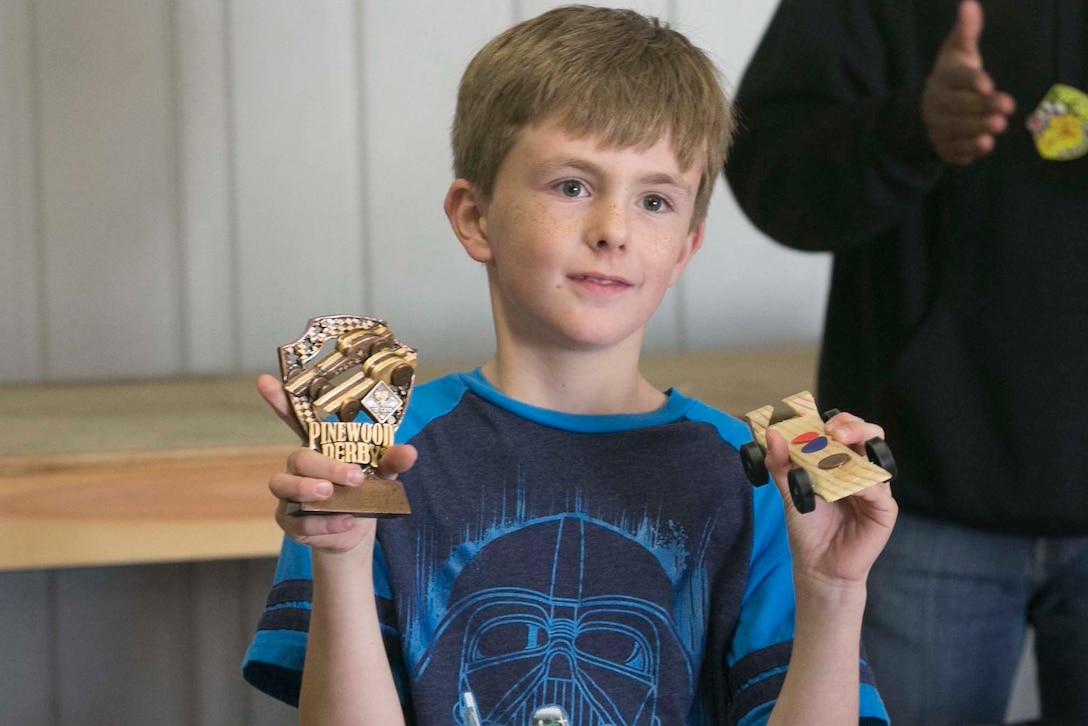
x=582, y=242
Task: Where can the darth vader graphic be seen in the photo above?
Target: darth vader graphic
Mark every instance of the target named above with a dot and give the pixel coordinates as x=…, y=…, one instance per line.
x=563, y=611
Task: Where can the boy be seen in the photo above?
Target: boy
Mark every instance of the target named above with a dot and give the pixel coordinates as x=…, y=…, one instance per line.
x=577, y=536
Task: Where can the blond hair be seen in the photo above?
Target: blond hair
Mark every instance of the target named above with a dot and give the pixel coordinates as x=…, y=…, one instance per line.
x=625, y=77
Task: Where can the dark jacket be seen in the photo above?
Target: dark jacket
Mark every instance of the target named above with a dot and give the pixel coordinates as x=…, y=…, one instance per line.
x=958, y=311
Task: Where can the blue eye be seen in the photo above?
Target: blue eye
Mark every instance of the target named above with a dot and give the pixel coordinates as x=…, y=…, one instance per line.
x=571, y=188
x=654, y=203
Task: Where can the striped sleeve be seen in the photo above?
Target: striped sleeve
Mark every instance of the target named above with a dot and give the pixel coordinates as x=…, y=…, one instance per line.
x=273, y=662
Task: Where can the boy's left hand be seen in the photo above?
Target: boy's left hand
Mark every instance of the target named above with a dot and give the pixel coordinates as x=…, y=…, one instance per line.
x=837, y=543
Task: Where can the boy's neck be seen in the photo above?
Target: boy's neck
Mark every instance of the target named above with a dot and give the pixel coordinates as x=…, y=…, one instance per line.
x=578, y=382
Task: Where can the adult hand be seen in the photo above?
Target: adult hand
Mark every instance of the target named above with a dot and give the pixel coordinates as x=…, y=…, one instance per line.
x=961, y=107
x=837, y=543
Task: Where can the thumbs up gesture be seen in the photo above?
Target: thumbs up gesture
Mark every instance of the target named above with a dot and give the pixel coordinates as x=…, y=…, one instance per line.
x=961, y=107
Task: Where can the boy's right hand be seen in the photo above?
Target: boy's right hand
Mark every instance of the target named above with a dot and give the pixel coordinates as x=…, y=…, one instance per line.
x=310, y=477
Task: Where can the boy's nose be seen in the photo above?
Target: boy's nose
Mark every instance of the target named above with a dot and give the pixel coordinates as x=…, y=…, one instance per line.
x=609, y=229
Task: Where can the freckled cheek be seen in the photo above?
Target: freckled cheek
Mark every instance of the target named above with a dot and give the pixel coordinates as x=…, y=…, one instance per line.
x=532, y=219
x=669, y=246
x=542, y=234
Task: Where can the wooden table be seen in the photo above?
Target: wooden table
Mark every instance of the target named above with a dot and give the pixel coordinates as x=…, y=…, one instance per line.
x=158, y=471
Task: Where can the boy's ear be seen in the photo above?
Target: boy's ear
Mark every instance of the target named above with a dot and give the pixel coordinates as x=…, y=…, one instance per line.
x=691, y=245
x=467, y=213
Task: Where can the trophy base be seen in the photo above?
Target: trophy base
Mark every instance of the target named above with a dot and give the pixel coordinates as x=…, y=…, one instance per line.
x=375, y=497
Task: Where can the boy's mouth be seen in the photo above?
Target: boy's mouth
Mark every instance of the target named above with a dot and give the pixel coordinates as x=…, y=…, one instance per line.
x=602, y=280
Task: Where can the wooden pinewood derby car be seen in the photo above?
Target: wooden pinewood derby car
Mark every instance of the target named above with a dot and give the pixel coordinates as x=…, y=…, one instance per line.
x=821, y=465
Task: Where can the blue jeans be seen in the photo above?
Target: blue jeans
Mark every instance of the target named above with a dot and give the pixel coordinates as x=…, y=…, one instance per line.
x=947, y=614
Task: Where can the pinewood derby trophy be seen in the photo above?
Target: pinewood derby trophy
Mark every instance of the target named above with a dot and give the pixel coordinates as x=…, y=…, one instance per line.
x=348, y=381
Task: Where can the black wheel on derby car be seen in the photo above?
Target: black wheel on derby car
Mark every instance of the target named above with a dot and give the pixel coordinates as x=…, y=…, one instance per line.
x=829, y=414
x=880, y=453
x=804, y=499
x=755, y=465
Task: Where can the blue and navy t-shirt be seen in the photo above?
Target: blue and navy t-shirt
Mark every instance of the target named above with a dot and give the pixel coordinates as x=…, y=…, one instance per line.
x=620, y=566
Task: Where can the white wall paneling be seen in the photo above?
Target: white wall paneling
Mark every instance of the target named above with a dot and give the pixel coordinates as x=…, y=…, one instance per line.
x=205, y=187
x=109, y=237
x=21, y=354
x=296, y=161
